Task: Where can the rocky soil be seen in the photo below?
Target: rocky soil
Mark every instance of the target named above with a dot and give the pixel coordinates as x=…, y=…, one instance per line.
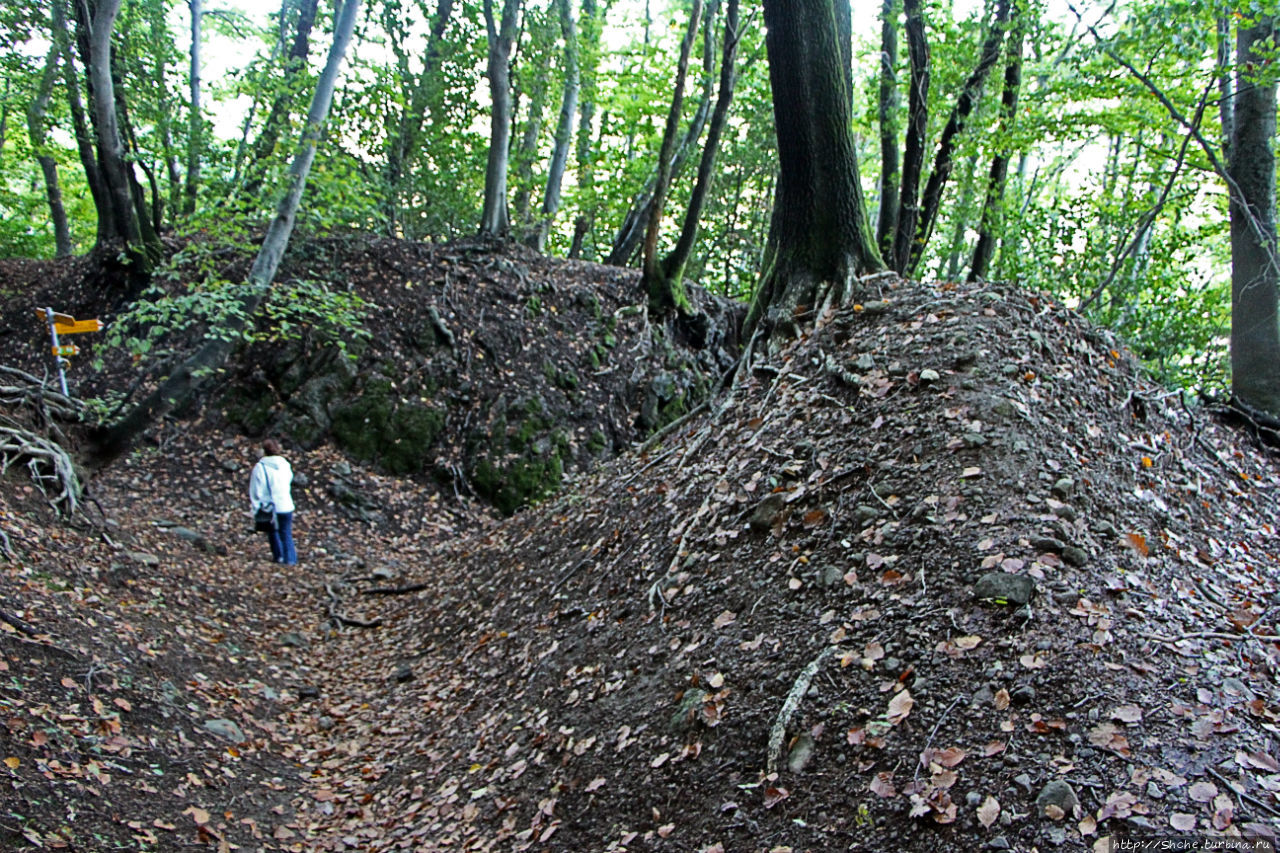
x=946, y=573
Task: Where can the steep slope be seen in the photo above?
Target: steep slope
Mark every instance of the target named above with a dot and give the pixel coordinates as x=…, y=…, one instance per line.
x=797, y=623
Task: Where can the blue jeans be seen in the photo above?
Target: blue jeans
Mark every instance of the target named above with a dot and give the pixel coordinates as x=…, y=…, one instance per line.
x=281, y=539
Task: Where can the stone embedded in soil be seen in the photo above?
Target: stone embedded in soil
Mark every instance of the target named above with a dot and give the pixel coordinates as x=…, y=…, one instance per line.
x=226, y=729
x=1057, y=793
x=1002, y=586
x=1064, y=487
x=1047, y=543
x=1075, y=556
x=403, y=673
x=801, y=753
x=294, y=640
x=767, y=514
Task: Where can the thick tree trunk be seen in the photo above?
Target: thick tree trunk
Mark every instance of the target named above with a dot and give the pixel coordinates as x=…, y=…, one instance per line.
x=820, y=238
x=79, y=120
x=1255, y=270
x=931, y=200
x=988, y=228
x=39, y=135
x=887, y=220
x=672, y=268
x=179, y=387
x=495, y=218
x=661, y=297
x=195, y=132
x=527, y=151
x=124, y=207
x=908, y=207
x=564, y=127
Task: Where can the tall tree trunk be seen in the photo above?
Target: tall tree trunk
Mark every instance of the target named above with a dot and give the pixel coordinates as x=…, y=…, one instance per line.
x=931, y=200
x=662, y=298
x=988, y=227
x=181, y=385
x=526, y=153
x=405, y=139
x=950, y=270
x=631, y=232
x=589, y=31
x=295, y=67
x=1226, y=101
x=672, y=267
x=564, y=127
x=39, y=135
x=1255, y=270
x=820, y=238
x=79, y=120
x=124, y=208
x=908, y=208
x=887, y=220
x=495, y=219
x=195, y=132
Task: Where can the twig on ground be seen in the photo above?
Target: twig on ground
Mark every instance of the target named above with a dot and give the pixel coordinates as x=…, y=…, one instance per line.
x=777, y=734
x=929, y=743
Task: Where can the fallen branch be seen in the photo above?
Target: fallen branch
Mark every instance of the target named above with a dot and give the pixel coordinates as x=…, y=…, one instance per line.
x=778, y=734
x=342, y=619
x=395, y=590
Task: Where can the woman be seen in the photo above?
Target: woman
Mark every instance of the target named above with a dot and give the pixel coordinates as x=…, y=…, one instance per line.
x=269, y=490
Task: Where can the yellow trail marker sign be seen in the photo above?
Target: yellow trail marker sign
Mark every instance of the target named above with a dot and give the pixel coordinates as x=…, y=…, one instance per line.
x=65, y=324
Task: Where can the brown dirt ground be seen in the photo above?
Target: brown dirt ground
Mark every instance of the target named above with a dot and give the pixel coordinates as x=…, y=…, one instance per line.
x=607, y=671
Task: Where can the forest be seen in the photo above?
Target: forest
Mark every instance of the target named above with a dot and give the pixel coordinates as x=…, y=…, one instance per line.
x=1083, y=151
x=795, y=425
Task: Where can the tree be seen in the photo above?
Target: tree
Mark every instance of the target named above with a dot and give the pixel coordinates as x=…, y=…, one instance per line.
x=39, y=135
x=495, y=218
x=668, y=290
x=123, y=213
x=564, y=127
x=662, y=296
x=181, y=385
x=987, y=234
x=887, y=221
x=195, y=131
x=907, y=210
x=820, y=238
x=1255, y=270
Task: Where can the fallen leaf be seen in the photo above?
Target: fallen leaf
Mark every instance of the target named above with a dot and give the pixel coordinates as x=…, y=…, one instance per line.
x=994, y=748
x=12, y=763
x=967, y=643
x=988, y=811
x=900, y=707
x=1182, y=822
x=1203, y=792
x=1127, y=714
x=1002, y=699
x=882, y=785
x=773, y=796
x=725, y=618
x=199, y=815
x=1034, y=661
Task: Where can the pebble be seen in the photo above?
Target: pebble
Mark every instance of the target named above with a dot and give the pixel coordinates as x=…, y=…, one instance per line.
x=1023, y=781
x=998, y=843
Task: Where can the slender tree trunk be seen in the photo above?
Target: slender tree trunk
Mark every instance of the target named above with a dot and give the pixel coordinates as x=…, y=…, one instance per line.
x=527, y=151
x=1226, y=98
x=908, y=208
x=180, y=386
x=405, y=140
x=931, y=200
x=988, y=227
x=820, y=238
x=1255, y=271
x=672, y=267
x=589, y=29
x=195, y=132
x=39, y=135
x=495, y=219
x=564, y=128
x=887, y=220
x=959, y=225
x=631, y=232
x=661, y=297
x=294, y=70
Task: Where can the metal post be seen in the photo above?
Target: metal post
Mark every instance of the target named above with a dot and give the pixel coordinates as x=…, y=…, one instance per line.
x=53, y=333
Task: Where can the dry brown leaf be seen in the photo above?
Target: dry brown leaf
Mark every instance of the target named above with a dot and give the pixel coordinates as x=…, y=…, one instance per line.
x=1127, y=714
x=1203, y=792
x=900, y=707
x=725, y=618
x=989, y=811
x=1182, y=822
x=882, y=785
x=773, y=796
x=1002, y=699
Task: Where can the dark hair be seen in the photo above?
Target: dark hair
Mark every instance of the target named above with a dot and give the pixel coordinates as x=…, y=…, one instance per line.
x=271, y=447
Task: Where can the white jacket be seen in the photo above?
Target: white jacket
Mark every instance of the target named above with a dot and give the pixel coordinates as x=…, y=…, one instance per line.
x=276, y=470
